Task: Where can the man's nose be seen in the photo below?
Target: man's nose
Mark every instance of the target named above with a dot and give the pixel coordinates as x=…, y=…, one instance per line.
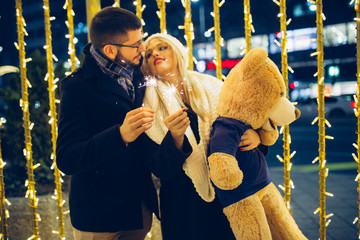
x=141, y=48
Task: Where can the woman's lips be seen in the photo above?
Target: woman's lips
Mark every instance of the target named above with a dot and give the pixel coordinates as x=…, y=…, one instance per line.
x=158, y=60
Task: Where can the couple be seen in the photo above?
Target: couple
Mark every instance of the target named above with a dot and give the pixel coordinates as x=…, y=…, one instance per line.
x=117, y=126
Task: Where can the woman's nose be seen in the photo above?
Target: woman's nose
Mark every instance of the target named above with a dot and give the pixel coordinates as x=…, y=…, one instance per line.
x=155, y=52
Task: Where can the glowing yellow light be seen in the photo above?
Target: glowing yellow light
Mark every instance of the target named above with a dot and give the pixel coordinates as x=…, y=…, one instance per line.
x=218, y=42
x=326, y=172
x=281, y=187
x=277, y=2
x=327, y=223
x=317, y=210
x=314, y=54
x=357, y=177
x=323, y=164
x=315, y=120
x=36, y=165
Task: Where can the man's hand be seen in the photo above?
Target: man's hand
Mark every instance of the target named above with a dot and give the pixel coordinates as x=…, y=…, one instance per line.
x=249, y=140
x=135, y=123
x=177, y=124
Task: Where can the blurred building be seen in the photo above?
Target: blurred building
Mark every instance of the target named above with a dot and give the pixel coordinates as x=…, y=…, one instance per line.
x=339, y=45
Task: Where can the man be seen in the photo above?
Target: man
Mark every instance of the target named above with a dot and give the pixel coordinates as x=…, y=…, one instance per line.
x=100, y=139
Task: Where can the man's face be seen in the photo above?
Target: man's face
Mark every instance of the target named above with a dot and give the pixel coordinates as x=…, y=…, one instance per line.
x=130, y=55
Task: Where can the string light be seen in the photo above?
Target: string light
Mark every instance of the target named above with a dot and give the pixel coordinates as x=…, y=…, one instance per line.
x=4, y=213
x=248, y=25
x=218, y=39
x=189, y=31
x=288, y=184
x=356, y=110
x=321, y=118
x=51, y=89
x=116, y=3
x=70, y=25
x=162, y=14
x=24, y=103
x=139, y=10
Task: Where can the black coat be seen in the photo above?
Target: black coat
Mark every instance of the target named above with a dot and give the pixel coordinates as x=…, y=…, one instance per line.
x=184, y=214
x=108, y=179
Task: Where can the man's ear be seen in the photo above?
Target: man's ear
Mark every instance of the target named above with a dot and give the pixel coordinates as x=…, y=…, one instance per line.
x=110, y=51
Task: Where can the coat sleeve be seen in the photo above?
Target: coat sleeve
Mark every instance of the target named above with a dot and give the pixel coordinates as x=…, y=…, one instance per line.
x=78, y=149
x=166, y=159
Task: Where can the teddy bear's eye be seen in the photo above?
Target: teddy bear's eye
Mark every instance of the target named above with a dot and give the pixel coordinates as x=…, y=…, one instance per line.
x=281, y=94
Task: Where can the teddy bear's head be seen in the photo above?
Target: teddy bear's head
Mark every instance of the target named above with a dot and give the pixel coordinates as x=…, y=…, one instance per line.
x=254, y=93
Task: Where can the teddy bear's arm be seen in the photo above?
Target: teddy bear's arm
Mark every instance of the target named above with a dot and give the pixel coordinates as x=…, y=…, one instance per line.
x=224, y=171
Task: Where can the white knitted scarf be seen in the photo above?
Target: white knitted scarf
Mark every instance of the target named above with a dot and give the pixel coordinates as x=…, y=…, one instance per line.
x=195, y=166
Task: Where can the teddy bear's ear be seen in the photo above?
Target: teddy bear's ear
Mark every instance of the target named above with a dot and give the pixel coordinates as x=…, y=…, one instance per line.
x=253, y=60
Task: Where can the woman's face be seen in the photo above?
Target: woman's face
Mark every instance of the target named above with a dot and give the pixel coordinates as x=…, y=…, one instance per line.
x=160, y=58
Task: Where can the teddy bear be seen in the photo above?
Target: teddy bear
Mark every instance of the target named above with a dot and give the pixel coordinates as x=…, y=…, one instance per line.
x=252, y=96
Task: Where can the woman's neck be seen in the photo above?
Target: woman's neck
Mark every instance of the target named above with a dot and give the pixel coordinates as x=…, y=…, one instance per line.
x=172, y=78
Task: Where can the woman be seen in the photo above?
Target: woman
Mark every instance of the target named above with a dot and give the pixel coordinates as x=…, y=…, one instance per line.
x=182, y=98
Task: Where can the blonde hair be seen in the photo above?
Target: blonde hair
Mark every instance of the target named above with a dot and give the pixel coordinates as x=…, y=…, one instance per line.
x=190, y=84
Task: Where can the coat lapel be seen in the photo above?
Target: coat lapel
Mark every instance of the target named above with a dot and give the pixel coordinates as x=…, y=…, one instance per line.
x=103, y=82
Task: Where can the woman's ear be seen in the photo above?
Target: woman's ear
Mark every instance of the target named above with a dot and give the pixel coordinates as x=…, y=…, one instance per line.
x=110, y=51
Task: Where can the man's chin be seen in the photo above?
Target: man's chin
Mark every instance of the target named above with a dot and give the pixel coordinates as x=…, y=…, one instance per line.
x=137, y=62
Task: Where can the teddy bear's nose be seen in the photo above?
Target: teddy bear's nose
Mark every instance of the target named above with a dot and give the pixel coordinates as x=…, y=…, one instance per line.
x=297, y=113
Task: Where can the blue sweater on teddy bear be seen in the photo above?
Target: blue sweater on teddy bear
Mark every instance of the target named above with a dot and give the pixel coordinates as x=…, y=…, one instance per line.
x=225, y=137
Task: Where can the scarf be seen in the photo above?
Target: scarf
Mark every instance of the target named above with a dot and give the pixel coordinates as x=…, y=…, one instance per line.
x=123, y=75
x=195, y=166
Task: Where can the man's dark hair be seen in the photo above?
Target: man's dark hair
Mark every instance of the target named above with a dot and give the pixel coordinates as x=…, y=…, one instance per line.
x=111, y=22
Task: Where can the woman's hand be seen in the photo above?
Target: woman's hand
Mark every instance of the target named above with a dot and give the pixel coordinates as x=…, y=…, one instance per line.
x=177, y=124
x=249, y=140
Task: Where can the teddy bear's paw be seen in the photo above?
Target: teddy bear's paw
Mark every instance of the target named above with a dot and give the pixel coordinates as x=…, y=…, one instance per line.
x=268, y=138
x=224, y=171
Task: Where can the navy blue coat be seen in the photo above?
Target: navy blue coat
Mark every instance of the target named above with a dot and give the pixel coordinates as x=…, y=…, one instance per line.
x=108, y=179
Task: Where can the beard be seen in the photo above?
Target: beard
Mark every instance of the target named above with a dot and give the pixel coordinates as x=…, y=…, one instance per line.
x=119, y=59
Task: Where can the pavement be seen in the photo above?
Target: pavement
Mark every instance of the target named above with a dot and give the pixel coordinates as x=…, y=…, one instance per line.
x=305, y=199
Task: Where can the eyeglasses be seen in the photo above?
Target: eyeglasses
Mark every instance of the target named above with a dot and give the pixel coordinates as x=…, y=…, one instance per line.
x=130, y=46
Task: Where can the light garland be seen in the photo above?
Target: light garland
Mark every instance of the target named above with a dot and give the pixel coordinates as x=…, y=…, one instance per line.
x=139, y=10
x=288, y=184
x=116, y=3
x=24, y=104
x=248, y=25
x=162, y=14
x=52, y=114
x=357, y=110
x=219, y=41
x=323, y=171
x=4, y=213
x=70, y=25
x=189, y=31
